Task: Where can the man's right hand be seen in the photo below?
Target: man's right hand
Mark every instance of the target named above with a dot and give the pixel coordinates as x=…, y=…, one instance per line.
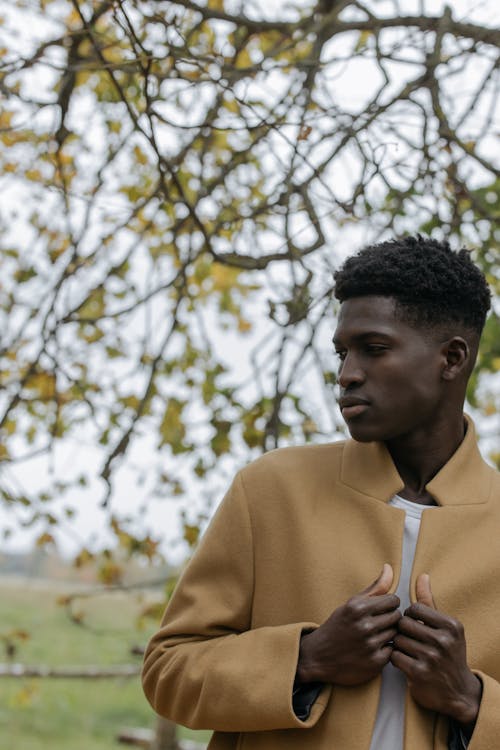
x=355, y=643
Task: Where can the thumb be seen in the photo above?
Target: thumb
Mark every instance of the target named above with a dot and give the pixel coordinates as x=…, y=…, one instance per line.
x=382, y=584
x=423, y=590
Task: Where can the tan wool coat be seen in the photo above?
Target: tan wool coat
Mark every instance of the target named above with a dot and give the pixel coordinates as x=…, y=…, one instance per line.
x=300, y=531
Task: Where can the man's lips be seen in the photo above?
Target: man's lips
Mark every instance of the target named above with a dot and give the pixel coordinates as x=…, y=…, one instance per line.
x=352, y=407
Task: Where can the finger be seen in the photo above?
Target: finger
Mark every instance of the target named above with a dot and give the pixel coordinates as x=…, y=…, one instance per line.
x=382, y=584
x=403, y=662
x=413, y=648
x=423, y=590
x=385, y=654
x=428, y=615
x=416, y=630
x=385, y=621
x=380, y=605
x=384, y=638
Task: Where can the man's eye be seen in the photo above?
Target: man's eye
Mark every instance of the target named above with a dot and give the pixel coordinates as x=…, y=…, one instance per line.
x=341, y=355
x=376, y=349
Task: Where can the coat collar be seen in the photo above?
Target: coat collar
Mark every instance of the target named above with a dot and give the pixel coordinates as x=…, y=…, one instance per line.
x=464, y=480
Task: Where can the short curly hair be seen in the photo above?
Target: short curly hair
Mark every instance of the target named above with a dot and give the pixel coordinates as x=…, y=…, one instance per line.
x=431, y=284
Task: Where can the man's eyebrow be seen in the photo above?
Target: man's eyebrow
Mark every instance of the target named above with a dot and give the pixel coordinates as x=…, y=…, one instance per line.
x=336, y=340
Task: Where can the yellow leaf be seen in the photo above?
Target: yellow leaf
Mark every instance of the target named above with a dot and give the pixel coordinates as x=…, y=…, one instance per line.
x=309, y=427
x=192, y=74
x=44, y=383
x=232, y=106
x=244, y=326
x=10, y=426
x=114, y=126
x=94, y=305
x=140, y=156
x=224, y=277
x=269, y=40
x=191, y=534
x=131, y=402
x=5, y=119
x=83, y=558
x=363, y=38
x=82, y=77
x=172, y=428
x=243, y=60
x=132, y=192
x=110, y=573
x=113, y=54
x=73, y=18
x=45, y=539
x=65, y=159
x=56, y=252
x=220, y=443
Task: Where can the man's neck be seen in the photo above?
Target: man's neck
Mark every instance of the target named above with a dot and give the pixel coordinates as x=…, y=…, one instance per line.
x=418, y=457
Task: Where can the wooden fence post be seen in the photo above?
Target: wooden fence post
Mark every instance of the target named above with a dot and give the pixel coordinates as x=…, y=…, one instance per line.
x=165, y=735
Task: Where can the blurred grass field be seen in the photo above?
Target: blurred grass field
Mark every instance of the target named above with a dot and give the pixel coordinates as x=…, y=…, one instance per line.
x=41, y=713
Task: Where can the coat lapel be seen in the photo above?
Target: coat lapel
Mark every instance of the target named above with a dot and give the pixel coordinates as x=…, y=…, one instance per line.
x=465, y=479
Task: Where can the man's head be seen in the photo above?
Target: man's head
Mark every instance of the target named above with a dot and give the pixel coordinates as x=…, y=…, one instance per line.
x=409, y=327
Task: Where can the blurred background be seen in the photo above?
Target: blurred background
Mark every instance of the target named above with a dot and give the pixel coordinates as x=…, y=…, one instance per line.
x=178, y=182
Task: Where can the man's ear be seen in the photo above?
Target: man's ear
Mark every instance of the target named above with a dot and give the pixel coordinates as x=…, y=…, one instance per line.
x=456, y=356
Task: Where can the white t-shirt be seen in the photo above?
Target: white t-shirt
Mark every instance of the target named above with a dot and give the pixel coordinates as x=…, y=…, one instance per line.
x=388, y=733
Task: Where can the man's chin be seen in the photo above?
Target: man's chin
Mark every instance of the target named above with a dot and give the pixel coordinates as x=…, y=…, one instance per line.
x=365, y=433
x=362, y=438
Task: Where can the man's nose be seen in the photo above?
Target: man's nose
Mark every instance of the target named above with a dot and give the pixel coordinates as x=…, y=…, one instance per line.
x=350, y=373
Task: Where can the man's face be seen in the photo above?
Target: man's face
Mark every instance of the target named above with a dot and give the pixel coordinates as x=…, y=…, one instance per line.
x=390, y=372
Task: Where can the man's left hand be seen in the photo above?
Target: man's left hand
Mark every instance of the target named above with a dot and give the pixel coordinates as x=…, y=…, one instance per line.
x=430, y=649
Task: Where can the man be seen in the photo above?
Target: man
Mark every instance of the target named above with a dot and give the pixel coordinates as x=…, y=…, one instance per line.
x=273, y=638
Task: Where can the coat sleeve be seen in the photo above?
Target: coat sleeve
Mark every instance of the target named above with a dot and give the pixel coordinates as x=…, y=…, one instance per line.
x=486, y=733
x=206, y=667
